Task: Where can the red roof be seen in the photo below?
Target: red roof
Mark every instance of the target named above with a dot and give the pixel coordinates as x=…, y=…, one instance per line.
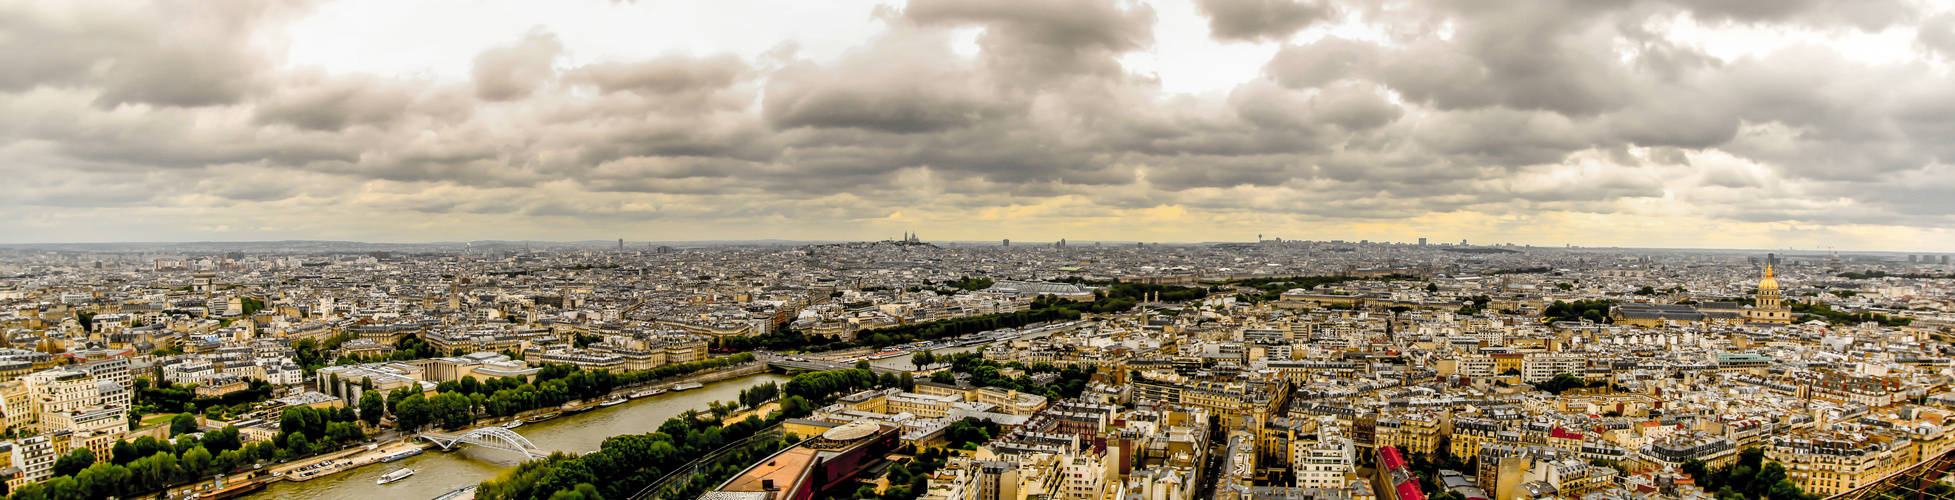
x=1388, y=456
x=1409, y=490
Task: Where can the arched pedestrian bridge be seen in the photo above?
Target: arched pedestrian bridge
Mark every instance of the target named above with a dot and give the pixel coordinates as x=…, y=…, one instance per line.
x=488, y=437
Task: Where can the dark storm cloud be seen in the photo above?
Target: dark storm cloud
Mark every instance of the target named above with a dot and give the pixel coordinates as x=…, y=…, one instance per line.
x=329, y=104
x=1262, y=20
x=662, y=76
x=1032, y=41
x=900, y=86
x=1490, y=107
x=514, y=72
x=169, y=53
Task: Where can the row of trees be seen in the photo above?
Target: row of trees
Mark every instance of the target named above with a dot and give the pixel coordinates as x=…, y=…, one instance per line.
x=1562, y=382
x=623, y=465
x=1596, y=311
x=755, y=396
x=1273, y=287
x=304, y=430
x=313, y=355
x=1476, y=304
x=169, y=397
x=970, y=432
x=456, y=403
x=1843, y=318
x=144, y=466
x=408, y=348
x=787, y=340
x=822, y=388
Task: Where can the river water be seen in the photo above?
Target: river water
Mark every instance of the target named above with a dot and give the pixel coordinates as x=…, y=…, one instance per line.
x=437, y=472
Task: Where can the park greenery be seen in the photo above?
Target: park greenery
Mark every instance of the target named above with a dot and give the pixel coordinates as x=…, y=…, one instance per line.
x=1877, y=274
x=790, y=340
x=168, y=397
x=313, y=354
x=1596, y=311
x=984, y=372
x=457, y=403
x=1117, y=297
x=1825, y=312
x=1272, y=288
x=970, y=432
x=1475, y=304
x=623, y=465
x=146, y=465
x=1563, y=382
x=1748, y=479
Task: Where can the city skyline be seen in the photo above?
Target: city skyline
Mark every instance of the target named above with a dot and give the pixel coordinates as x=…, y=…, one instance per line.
x=1648, y=124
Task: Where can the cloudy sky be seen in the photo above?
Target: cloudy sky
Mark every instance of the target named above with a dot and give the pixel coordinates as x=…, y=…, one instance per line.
x=1681, y=123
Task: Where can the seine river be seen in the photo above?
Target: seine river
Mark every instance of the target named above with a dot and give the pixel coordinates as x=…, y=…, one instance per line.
x=437, y=472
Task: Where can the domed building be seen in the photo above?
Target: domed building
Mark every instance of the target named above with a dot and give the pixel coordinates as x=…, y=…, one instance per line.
x=1770, y=307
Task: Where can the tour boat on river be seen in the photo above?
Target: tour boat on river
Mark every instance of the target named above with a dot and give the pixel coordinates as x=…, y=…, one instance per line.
x=396, y=475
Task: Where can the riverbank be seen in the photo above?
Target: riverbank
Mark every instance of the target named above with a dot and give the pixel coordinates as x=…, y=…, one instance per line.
x=344, y=461
x=440, y=472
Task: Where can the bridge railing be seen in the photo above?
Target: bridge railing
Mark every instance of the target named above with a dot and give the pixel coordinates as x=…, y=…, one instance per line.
x=488, y=437
x=682, y=477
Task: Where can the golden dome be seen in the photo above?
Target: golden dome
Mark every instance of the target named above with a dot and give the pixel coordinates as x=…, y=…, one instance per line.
x=1771, y=281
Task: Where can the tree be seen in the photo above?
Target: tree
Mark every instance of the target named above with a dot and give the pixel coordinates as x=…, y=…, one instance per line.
x=943, y=377
x=795, y=407
x=453, y=409
x=296, y=444
x=1768, y=477
x=345, y=432
x=373, y=407
x=862, y=365
x=907, y=381
x=104, y=480
x=183, y=423
x=197, y=461
x=414, y=413
x=1432, y=288
x=123, y=453
x=74, y=462
x=923, y=358
x=1697, y=471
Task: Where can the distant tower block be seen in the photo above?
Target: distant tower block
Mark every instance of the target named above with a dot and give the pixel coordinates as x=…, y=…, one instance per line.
x=1007, y=242
x=1422, y=242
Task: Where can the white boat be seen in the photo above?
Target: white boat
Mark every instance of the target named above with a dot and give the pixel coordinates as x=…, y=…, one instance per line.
x=398, y=455
x=687, y=386
x=396, y=475
x=513, y=424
